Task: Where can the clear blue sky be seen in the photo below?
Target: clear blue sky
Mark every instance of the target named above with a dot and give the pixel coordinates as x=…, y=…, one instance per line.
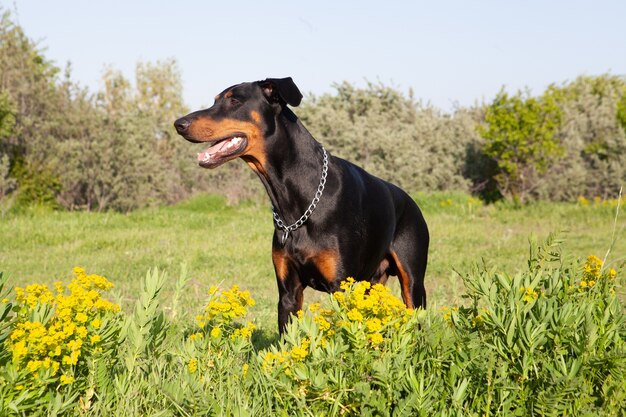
x=446, y=51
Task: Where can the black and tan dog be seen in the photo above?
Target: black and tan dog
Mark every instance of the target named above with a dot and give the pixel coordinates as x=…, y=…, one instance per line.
x=333, y=220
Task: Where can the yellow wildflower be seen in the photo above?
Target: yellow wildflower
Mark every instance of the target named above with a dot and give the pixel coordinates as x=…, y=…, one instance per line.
x=216, y=332
x=195, y=336
x=355, y=315
x=592, y=268
x=244, y=332
x=373, y=325
x=192, y=366
x=298, y=353
x=65, y=379
x=376, y=338
x=345, y=285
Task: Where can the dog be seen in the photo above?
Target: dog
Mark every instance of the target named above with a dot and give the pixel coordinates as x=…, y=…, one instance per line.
x=332, y=219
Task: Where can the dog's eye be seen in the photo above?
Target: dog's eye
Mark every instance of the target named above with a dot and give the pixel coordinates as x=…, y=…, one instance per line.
x=234, y=102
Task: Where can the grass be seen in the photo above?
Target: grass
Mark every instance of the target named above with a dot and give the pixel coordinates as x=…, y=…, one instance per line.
x=215, y=242
x=542, y=339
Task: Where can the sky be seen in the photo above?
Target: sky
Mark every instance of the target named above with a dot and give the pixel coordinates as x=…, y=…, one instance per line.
x=449, y=53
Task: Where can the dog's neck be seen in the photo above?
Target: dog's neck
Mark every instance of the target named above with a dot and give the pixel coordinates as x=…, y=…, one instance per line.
x=292, y=169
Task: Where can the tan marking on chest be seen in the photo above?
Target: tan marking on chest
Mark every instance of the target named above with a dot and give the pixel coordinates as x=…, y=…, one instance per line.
x=326, y=262
x=281, y=264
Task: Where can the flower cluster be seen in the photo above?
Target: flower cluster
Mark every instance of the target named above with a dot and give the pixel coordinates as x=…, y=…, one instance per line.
x=220, y=335
x=593, y=273
x=371, y=307
x=529, y=294
x=286, y=358
x=225, y=306
x=600, y=202
x=220, y=312
x=362, y=317
x=53, y=328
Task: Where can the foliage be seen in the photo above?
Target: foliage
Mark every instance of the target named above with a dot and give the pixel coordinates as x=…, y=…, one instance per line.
x=594, y=140
x=64, y=146
x=520, y=135
x=549, y=340
x=393, y=136
x=55, y=338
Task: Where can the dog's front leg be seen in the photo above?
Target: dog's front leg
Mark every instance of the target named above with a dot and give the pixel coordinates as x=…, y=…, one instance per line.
x=290, y=298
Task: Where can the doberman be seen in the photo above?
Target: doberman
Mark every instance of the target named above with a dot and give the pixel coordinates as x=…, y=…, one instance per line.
x=333, y=220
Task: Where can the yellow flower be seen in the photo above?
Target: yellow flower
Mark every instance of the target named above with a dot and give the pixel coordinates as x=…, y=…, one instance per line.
x=376, y=338
x=244, y=369
x=298, y=353
x=477, y=321
x=592, y=268
x=216, y=332
x=96, y=323
x=373, y=325
x=81, y=331
x=345, y=285
x=65, y=379
x=530, y=295
x=33, y=365
x=195, y=336
x=355, y=315
x=245, y=332
x=192, y=366
x=322, y=322
x=94, y=339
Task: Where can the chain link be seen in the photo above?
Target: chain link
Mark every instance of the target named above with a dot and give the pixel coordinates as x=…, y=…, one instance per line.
x=318, y=194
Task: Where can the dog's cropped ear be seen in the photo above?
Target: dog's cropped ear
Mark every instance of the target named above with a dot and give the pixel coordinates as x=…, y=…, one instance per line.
x=283, y=89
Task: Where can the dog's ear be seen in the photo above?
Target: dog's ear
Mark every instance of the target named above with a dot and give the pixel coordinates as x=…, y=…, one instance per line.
x=281, y=89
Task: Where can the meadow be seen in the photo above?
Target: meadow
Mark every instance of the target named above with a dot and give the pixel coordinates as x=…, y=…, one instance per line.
x=219, y=243
x=512, y=323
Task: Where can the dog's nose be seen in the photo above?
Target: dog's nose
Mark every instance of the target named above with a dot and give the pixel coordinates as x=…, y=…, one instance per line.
x=182, y=125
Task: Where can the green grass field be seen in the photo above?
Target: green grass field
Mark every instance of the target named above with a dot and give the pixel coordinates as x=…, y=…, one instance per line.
x=537, y=333
x=217, y=243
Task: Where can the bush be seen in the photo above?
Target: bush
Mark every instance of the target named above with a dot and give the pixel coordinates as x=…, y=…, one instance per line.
x=520, y=135
x=393, y=136
x=546, y=341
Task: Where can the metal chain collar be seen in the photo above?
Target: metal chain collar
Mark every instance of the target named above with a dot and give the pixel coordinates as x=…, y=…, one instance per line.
x=318, y=194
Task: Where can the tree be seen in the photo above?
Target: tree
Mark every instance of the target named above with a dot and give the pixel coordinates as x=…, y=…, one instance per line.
x=7, y=122
x=520, y=136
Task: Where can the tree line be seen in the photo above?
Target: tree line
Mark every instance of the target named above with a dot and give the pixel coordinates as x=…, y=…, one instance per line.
x=115, y=149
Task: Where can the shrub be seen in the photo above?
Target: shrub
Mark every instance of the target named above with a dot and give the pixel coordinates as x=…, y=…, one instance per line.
x=549, y=340
x=55, y=338
x=520, y=135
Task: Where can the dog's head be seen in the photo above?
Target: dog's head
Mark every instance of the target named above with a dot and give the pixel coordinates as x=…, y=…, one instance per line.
x=239, y=121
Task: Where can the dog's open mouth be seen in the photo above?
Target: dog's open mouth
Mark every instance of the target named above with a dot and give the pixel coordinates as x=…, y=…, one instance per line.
x=222, y=150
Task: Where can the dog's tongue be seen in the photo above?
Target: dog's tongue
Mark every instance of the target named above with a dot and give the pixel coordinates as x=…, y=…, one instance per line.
x=221, y=148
